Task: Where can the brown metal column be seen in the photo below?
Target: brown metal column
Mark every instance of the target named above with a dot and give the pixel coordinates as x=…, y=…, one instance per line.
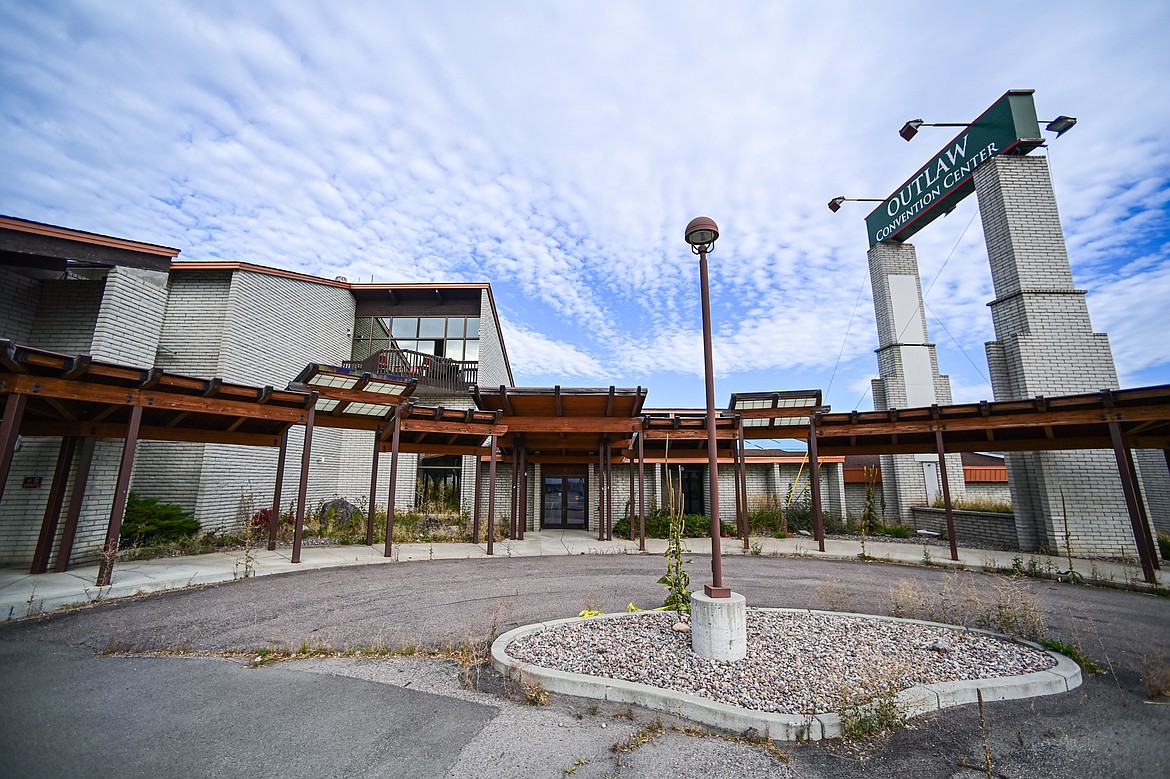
x=946, y=489
x=1141, y=504
x=608, y=489
x=475, y=510
x=600, y=489
x=523, y=483
x=40, y=561
x=394, y=437
x=641, y=495
x=631, y=504
x=735, y=488
x=373, y=487
x=73, y=514
x=274, y=518
x=747, y=530
x=9, y=430
x=1132, y=499
x=512, y=505
x=106, y=568
x=303, y=488
x=814, y=483
x=491, y=523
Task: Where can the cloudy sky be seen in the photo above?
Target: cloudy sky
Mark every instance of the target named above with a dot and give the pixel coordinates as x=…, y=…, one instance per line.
x=558, y=149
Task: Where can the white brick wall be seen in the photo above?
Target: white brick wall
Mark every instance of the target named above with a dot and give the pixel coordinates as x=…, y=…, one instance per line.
x=492, y=370
x=903, y=482
x=1045, y=345
x=18, y=305
x=116, y=319
x=1155, y=483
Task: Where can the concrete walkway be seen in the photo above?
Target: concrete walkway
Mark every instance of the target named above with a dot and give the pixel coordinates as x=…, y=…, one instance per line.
x=23, y=594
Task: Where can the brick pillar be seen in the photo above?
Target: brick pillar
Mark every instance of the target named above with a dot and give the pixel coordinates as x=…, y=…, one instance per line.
x=908, y=370
x=1045, y=345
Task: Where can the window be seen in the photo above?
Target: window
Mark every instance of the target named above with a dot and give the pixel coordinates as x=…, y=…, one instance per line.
x=455, y=337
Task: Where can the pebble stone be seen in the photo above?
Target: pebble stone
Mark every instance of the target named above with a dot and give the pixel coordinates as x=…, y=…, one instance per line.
x=797, y=662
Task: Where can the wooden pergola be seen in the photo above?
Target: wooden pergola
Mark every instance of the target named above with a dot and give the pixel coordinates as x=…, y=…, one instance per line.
x=1120, y=420
x=563, y=426
x=81, y=399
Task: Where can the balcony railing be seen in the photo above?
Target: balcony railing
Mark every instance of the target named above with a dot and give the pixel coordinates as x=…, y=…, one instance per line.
x=431, y=371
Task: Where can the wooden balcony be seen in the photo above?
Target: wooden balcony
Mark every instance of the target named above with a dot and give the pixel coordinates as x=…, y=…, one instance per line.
x=434, y=372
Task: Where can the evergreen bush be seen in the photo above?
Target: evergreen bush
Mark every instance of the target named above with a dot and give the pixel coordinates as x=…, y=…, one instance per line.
x=148, y=521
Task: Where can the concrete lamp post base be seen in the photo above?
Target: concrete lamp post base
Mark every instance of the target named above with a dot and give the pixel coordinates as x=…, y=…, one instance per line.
x=719, y=626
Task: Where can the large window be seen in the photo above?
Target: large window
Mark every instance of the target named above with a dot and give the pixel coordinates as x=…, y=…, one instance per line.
x=455, y=337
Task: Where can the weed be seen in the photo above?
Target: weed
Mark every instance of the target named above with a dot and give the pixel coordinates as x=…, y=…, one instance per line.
x=872, y=708
x=676, y=580
x=756, y=548
x=964, y=503
x=1007, y=606
x=34, y=606
x=571, y=768
x=1156, y=675
x=834, y=595
x=1074, y=653
x=534, y=692
x=983, y=732
x=640, y=738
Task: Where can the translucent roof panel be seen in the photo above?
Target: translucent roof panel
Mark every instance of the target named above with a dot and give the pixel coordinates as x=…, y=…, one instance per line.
x=369, y=409
x=333, y=380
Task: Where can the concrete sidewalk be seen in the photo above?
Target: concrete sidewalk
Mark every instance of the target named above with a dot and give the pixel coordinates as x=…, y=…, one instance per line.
x=23, y=594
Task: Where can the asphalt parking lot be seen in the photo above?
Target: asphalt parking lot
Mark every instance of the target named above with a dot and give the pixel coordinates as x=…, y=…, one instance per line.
x=165, y=701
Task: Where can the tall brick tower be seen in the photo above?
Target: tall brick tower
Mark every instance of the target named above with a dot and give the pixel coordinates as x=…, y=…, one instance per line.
x=908, y=367
x=1045, y=345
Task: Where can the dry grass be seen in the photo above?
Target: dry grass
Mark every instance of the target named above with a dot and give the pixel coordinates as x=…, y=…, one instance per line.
x=835, y=596
x=1005, y=606
x=1156, y=675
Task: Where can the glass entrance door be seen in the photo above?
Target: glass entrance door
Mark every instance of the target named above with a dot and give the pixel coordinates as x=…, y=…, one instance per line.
x=563, y=505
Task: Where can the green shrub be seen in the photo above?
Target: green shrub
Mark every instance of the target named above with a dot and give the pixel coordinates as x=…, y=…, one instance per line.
x=799, y=516
x=147, y=522
x=1164, y=545
x=658, y=526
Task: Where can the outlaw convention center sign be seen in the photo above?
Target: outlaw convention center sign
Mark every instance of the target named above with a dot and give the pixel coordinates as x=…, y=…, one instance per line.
x=1008, y=127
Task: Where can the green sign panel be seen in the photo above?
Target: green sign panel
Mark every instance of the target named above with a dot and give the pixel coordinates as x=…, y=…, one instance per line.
x=1008, y=127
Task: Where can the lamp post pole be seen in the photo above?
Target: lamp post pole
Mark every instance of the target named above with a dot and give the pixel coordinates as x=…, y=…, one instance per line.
x=701, y=234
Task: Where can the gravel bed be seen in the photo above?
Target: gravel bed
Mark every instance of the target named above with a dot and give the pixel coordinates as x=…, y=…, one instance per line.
x=797, y=662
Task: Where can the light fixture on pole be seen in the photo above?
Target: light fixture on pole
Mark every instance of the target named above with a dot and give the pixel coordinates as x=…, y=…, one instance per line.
x=835, y=203
x=1061, y=125
x=701, y=235
x=910, y=129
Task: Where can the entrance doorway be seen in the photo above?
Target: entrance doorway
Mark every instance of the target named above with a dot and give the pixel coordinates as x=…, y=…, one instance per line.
x=563, y=503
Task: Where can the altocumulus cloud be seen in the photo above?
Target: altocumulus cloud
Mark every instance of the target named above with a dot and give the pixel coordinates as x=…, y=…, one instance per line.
x=557, y=151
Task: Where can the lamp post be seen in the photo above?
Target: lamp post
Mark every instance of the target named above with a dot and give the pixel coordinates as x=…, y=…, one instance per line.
x=701, y=235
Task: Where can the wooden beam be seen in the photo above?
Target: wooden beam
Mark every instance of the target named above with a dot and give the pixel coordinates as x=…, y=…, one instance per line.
x=149, y=433
x=525, y=424
x=103, y=393
x=1028, y=420
x=689, y=435
x=431, y=426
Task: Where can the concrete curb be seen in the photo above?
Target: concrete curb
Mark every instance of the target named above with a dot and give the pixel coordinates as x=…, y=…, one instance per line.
x=1064, y=676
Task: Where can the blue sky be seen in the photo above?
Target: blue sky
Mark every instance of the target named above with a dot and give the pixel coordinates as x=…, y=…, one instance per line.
x=558, y=149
